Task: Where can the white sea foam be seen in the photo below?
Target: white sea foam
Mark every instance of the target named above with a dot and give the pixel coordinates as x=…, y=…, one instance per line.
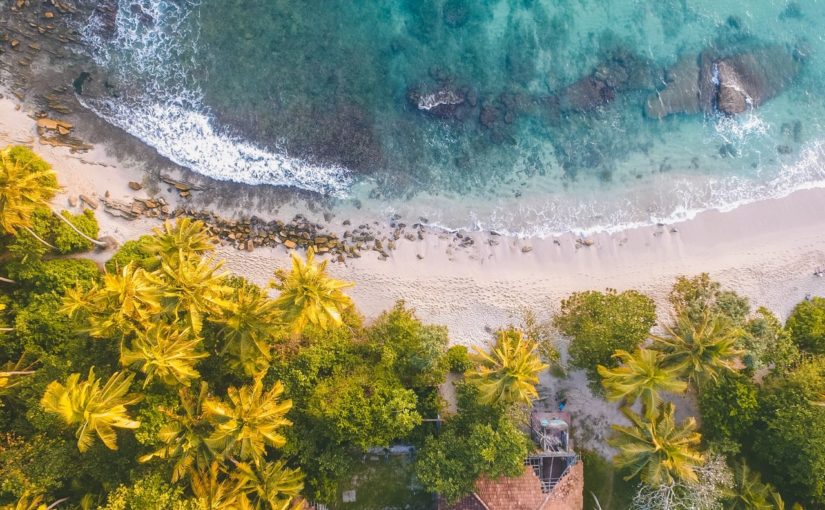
x=168, y=111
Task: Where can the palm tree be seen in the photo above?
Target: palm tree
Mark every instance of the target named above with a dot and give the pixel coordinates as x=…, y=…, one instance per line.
x=12, y=374
x=185, y=237
x=271, y=485
x=184, y=436
x=251, y=323
x=192, y=286
x=212, y=492
x=309, y=296
x=510, y=372
x=27, y=502
x=749, y=493
x=704, y=349
x=165, y=352
x=26, y=183
x=95, y=409
x=120, y=303
x=658, y=450
x=642, y=375
x=249, y=421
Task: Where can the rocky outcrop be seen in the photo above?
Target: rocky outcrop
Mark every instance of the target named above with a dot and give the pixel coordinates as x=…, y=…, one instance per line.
x=682, y=92
x=730, y=85
x=445, y=101
x=622, y=71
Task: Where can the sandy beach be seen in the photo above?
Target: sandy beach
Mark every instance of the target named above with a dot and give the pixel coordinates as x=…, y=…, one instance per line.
x=766, y=250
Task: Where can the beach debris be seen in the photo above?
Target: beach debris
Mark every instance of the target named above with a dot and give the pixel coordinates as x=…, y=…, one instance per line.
x=72, y=201
x=184, y=189
x=584, y=242
x=135, y=186
x=526, y=249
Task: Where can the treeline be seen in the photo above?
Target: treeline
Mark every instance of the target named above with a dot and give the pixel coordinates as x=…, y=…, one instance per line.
x=165, y=383
x=759, y=387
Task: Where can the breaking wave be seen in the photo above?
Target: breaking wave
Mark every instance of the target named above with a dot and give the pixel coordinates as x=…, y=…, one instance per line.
x=163, y=106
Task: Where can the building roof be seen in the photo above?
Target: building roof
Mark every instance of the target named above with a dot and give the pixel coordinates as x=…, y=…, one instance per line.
x=520, y=493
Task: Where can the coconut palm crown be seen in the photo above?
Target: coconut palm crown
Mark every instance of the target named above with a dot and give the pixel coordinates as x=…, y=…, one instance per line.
x=309, y=296
x=510, y=372
x=658, y=450
x=94, y=408
x=26, y=183
x=642, y=375
x=704, y=349
x=164, y=352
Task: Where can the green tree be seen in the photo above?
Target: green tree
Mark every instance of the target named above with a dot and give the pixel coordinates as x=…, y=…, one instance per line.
x=658, y=450
x=729, y=407
x=149, y=492
x=364, y=409
x=806, y=325
x=510, y=372
x=642, y=375
x=600, y=323
x=248, y=421
x=768, y=343
x=704, y=349
x=95, y=409
x=480, y=441
x=415, y=351
x=192, y=288
x=309, y=296
x=788, y=435
x=165, y=352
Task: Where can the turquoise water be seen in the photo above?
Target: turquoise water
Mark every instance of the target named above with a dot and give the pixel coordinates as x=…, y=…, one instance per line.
x=331, y=96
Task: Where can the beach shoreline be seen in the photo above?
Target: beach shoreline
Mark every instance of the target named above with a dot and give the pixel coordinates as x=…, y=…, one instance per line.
x=766, y=250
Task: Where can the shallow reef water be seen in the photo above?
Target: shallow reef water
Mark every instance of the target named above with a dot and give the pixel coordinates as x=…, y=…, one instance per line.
x=524, y=116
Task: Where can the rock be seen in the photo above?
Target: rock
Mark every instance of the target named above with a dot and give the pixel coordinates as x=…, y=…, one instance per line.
x=54, y=125
x=526, y=249
x=48, y=15
x=681, y=94
x=783, y=149
x=443, y=102
x=135, y=186
x=72, y=201
x=419, y=256
x=747, y=80
x=290, y=244
x=90, y=201
x=110, y=242
x=15, y=43
x=250, y=245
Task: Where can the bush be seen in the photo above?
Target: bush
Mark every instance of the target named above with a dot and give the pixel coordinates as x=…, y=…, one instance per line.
x=700, y=295
x=806, y=325
x=601, y=323
x=55, y=276
x=132, y=252
x=458, y=359
x=768, y=343
x=149, y=493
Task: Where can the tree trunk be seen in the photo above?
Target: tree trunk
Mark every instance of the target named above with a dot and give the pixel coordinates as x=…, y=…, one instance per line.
x=81, y=234
x=6, y=280
x=30, y=231
x=6, y=329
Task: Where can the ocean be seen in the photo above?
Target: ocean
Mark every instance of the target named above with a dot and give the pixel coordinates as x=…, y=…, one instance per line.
x=527, y=117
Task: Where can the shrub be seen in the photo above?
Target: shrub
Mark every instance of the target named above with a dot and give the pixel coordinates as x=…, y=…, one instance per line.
x=700, y=295
x=600, y=323
x=132, y=252
x=767, y=343
x=458, y=359
x=806, y=325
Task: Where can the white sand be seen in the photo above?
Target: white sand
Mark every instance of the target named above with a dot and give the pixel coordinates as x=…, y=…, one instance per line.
x=767, y=251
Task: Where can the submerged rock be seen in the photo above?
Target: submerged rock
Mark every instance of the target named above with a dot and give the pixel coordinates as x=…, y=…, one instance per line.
x=446, y=101
x=729, y=85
